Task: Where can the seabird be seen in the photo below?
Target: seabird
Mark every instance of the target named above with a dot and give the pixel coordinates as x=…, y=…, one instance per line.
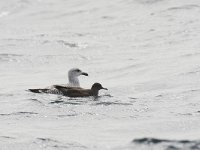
x=73, y=75
x=80, y=92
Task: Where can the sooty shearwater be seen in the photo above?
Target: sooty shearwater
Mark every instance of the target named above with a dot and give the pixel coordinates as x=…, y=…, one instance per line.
x=73, y=75
x=80, y=92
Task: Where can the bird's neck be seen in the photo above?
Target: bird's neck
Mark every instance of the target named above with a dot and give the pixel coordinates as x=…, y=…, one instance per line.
x=94, y=92
x=73, y=81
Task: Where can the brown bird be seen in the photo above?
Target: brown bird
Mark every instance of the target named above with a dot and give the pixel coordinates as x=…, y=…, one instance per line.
x=80, y=92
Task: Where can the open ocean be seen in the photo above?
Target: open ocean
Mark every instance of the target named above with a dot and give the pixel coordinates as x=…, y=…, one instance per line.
x=146, y=52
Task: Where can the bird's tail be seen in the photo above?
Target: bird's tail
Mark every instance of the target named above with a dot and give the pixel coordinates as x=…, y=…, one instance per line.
x=38, y=90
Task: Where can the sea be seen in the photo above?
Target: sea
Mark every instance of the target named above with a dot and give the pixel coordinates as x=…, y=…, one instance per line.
x=146, y=52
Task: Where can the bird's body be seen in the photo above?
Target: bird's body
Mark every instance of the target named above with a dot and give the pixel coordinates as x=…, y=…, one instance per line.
x=73, y=82
x=80, y=92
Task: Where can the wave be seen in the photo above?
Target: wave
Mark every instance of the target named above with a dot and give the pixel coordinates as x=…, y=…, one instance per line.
x=184, y=7
x=165, y=144
x=52, y=143
x=148, y=1
x=18, y=113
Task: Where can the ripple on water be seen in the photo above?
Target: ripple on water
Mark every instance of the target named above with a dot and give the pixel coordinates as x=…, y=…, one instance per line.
x=185, y=7
x=27, y=114
x=68, y=102
x=164, y=144
x=78, y=100
x=148, y=1
x=52, y=143
x=93, y=101
x=111, y=103
x=6, y=137
x=72, y=45
x=36, y=100
x=10, y=57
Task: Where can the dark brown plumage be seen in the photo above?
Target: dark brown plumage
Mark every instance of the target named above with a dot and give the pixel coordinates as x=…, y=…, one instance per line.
x=80, y=92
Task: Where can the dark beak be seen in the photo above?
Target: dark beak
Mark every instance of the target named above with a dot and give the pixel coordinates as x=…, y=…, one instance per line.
x=104, y=88
x=84, y=73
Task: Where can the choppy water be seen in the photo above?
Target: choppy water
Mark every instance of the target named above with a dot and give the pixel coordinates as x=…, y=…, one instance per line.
x=146, y=52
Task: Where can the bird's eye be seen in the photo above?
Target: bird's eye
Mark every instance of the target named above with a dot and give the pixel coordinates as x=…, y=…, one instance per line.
x=78, y=70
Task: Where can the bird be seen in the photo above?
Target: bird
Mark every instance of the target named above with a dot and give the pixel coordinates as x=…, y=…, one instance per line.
x=73, y=75
x=80, y=92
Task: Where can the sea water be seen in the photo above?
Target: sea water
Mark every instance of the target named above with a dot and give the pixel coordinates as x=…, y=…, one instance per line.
x=146, y=52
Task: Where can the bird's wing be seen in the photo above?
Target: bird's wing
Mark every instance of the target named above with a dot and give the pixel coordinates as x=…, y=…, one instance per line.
x=39, y=90
x=73, y=91
x=64, y=88
x=48, y=90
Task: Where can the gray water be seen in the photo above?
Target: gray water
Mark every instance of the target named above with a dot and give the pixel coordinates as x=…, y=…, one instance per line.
x=146, y=52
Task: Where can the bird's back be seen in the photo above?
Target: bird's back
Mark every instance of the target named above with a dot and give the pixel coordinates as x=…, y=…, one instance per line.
x=74, y=91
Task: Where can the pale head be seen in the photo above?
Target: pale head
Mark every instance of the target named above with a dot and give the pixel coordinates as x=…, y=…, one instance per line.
x=73, y=76
x=75, y=72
